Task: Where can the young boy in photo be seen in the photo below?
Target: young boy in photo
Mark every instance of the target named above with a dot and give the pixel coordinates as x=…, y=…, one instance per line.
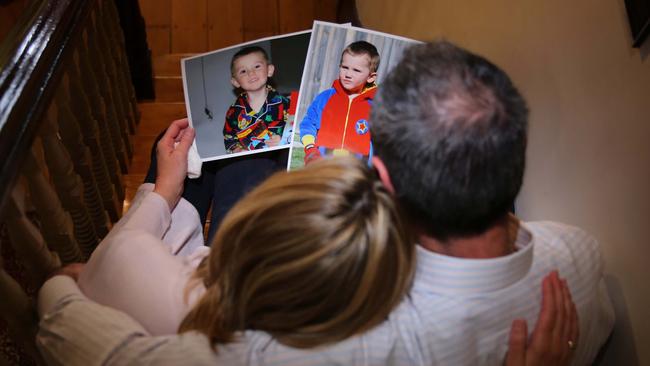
x=336, y=122
x=257, y=117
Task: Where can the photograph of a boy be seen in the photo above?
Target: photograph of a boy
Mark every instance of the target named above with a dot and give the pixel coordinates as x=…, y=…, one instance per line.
x=336, y=122
x=238, y=98
x=257, y=118
x=344, y=69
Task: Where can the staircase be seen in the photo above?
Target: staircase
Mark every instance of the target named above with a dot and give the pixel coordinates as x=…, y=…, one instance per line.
x=156, y=115
x=176, y=26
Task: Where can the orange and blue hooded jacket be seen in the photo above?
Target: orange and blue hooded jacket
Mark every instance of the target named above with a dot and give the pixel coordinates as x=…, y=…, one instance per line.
x=336, y=121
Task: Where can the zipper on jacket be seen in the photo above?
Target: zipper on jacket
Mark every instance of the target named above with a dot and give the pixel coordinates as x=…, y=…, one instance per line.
x=347, y=116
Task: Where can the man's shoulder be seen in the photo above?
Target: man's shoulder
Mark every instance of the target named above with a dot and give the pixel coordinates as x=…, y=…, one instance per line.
x=576, y=255
x=556, y=234
x=572, y=250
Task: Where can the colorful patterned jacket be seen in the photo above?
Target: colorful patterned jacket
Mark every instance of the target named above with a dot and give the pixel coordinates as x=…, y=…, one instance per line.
x=249, y=130
x=338, y=122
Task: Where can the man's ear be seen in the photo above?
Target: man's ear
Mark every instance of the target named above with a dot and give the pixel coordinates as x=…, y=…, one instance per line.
x=371, y=79
x=235, y=83
x=384, y=176
x=270, y=70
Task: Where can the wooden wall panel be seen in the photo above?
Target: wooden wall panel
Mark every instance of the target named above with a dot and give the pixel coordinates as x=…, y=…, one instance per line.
x=260, y=19
x=159, y=40
x=326, y=10
x=156, y=12
x=225, y=23
x=295, y=15
x=178, y=26
x=157, y=17
x=188, y=27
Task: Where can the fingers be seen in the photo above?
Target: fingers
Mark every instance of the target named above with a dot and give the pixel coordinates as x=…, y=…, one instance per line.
x=176, y=128
x=566, y=302
x=171, y=152
x=572, y=325
x=560, y=332
x=517, y=343
x=186, y=139
x=179, y=131
x=557, y=324
x=72, y=270
x=542, y=337
x=575, y=321
x=273, y=141
x=547, y=315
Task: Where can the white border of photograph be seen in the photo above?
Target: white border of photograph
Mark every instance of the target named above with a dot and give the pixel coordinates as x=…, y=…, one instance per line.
x=322, y=67
x=207, y=130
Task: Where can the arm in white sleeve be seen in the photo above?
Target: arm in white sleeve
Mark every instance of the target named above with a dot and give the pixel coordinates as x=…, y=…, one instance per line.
x=76, y=331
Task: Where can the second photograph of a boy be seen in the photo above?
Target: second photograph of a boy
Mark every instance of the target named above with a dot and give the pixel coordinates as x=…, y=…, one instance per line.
x=242, y=99
x=344, y=69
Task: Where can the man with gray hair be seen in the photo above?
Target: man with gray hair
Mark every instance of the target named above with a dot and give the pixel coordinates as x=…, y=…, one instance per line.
x=450, y=130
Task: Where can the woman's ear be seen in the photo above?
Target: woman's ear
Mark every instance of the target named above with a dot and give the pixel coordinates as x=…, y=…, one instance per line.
x=384, y=176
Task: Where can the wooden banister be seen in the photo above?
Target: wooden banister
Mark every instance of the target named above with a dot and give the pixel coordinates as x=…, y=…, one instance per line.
x=67, y=114
x=32, y=63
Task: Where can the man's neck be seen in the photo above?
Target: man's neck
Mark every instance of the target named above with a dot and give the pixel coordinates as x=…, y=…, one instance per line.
x=496, y=241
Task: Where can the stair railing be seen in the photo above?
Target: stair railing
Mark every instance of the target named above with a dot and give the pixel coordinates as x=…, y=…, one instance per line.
x=67, y=115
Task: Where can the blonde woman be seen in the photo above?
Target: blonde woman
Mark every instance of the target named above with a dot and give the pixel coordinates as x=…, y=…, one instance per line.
x=310, y=257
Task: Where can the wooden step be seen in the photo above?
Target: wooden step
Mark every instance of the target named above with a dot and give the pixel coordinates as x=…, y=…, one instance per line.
x=169, y=89
x=169, y=65
x=142, y=150
x=157, y=116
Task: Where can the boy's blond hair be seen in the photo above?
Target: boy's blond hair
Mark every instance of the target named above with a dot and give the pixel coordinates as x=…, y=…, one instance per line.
x=311, y=257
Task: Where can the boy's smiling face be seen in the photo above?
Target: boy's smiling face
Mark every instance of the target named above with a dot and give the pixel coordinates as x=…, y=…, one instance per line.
x=250, y=72
x=354, y=72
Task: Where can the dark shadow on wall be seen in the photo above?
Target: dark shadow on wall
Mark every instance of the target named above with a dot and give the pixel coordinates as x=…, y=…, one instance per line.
x=645, y=49
x=620, y=348
x=346, y=12
x=137, y=49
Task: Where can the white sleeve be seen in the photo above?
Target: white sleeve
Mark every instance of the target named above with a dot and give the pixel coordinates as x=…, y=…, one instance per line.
x=76, y=331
